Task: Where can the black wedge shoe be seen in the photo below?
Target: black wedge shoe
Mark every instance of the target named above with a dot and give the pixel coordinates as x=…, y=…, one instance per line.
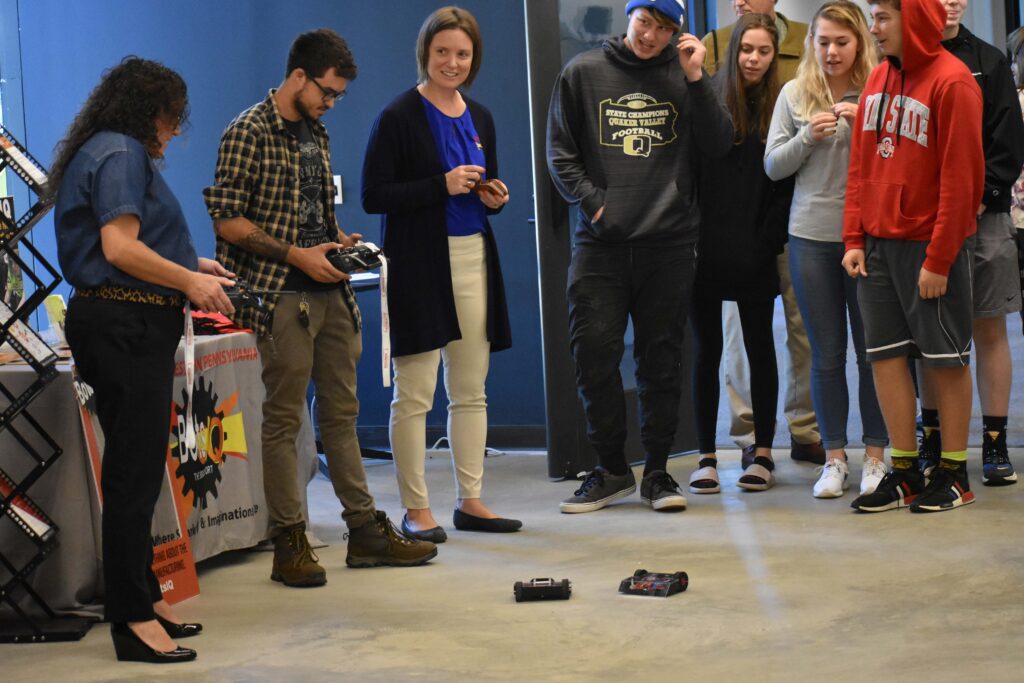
x=179, y=630
x=130, y=648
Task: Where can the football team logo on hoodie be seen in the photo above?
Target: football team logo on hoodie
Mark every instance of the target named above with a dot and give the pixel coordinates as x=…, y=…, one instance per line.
x=637, y=123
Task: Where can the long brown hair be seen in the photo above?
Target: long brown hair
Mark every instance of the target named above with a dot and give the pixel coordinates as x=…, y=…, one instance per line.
x=736, y=93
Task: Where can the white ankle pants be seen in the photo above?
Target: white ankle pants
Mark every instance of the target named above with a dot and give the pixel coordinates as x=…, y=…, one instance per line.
x=465, y=372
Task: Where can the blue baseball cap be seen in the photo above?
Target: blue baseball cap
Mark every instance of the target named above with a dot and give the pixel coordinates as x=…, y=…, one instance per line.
x=675, y=10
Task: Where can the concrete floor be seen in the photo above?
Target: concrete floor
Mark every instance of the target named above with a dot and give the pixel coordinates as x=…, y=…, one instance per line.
x=783, y=588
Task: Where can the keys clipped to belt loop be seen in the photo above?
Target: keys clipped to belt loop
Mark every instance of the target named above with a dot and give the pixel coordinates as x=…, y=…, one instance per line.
x=385, y=325
x=303, y=310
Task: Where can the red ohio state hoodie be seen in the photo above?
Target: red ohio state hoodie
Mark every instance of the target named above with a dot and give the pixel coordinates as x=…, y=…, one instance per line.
x=917, y=166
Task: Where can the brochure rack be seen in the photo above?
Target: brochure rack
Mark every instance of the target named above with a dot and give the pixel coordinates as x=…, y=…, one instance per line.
x=34, y=620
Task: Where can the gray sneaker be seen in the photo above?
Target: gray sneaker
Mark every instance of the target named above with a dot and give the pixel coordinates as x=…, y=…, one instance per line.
x=659, y=490
x=598, y=489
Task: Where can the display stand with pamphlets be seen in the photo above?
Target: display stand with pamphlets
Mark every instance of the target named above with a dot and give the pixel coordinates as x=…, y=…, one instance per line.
x=33, y=620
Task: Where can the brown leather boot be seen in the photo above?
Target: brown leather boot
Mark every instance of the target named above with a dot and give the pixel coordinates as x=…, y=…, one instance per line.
x=378, y=543
x=808, y=452
x=295, y=563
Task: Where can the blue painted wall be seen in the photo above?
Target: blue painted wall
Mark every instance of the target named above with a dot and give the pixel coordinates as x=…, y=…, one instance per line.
x=230, y=52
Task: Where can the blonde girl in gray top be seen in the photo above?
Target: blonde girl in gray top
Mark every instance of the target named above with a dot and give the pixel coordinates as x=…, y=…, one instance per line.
x=810, y=137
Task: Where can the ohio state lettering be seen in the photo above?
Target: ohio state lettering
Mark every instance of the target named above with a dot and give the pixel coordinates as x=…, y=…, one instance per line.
x=911, y=116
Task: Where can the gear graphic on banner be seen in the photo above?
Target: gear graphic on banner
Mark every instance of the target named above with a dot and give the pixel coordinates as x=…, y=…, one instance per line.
x=220, y=432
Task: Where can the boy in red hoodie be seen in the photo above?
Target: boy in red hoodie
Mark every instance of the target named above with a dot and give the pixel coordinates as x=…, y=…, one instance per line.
x=917, y=171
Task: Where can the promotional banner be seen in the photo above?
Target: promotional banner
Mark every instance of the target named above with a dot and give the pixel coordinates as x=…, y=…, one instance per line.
x=217, y=481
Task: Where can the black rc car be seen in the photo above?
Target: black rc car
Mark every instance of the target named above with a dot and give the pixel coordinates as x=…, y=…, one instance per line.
x=542, y=589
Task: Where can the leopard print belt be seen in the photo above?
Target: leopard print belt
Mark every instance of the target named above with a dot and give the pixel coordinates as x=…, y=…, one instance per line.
x=135, y=296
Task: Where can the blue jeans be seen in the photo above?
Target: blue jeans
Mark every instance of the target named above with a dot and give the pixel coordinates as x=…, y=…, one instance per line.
x=826, y=295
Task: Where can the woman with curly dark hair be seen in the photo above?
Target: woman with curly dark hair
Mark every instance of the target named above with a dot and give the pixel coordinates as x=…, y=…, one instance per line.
x=123, y=243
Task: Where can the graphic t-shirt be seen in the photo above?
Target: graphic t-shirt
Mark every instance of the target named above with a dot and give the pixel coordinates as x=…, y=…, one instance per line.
x=313, y=228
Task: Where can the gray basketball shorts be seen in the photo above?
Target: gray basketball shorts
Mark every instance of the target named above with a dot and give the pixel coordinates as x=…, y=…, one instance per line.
x=898, y=322
x=996, y=272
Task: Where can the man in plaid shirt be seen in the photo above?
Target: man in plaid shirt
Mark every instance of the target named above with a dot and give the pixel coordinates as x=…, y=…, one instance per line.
x=272, y=203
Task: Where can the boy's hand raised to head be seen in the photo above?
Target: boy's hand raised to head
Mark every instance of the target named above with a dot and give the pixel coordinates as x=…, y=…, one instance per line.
x=691, y=56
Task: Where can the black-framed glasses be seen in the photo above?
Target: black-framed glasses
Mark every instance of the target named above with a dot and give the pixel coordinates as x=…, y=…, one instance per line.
x=328, y=94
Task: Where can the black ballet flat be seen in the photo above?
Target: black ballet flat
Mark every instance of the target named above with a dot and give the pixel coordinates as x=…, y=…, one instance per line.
x=498, y=525
x=130, y=648
x=179, y=630
x=435, y=535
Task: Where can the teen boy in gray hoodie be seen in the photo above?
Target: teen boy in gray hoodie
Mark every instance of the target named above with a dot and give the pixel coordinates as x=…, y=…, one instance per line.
x=625, y=123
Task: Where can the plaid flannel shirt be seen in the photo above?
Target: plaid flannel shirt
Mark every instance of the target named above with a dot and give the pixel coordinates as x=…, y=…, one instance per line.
x=257, y=177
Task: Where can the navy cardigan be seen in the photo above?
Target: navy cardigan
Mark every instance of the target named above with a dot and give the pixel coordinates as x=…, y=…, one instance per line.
x=403, y=178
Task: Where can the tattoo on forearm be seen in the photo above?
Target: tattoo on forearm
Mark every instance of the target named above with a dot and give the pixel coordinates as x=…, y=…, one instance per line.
x=259, y=242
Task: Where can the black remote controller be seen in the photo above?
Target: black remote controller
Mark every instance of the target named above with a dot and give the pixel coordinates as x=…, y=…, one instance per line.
x=360, y=257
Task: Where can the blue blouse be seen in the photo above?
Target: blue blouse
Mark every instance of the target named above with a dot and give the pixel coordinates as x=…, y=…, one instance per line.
x=458, y=145
x=112, y=175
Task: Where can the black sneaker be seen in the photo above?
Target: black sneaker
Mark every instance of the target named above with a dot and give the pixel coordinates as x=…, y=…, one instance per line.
x=598, y=489
x=659, y=490
x=996, y=468
x=948, y=489
x=897, y=489
x=929, y=450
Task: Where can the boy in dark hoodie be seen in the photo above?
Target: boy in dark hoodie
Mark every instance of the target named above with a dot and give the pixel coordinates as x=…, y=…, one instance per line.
x=625, y=124
x=917, y=171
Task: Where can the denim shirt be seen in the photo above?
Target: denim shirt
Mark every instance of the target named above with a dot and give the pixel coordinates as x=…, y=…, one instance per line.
x=112, y=175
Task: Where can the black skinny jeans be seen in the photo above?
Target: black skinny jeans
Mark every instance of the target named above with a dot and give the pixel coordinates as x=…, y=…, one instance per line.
x=756, y=321
x=125, y=352
x=607, y=287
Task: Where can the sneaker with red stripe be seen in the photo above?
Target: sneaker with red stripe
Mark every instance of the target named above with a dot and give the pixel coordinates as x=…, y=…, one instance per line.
x=898, y=489
x=948, y=489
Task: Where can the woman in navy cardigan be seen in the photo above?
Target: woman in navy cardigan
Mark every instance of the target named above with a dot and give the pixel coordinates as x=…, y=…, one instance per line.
x=427, y=165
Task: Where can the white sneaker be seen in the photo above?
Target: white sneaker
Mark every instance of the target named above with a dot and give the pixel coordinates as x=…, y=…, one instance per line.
x=871, y=474
x=832, y=481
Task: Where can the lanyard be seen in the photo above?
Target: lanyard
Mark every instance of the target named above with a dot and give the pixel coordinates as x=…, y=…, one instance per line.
x=190, y=376
x=385, y=325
